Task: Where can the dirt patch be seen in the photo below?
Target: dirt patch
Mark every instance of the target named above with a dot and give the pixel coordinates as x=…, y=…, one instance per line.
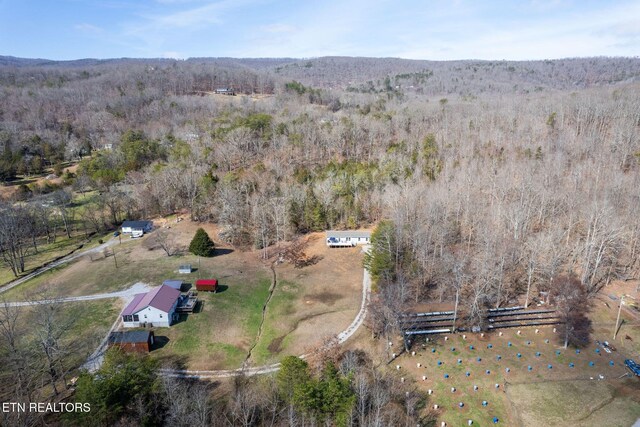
x=328, y=298
x=275, y=345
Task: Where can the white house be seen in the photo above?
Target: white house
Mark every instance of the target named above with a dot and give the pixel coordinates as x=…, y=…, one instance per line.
x=155, y=308
x=136, y=227
x=337, y=239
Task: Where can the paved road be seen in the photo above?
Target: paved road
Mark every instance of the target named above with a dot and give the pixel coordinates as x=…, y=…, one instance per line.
x=342, y=337
x=55, y=264
x=137, y=288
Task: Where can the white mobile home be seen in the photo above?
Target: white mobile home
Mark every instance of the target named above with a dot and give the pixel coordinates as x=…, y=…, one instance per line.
x=155, y=308
x=341, y=239
x=137, y=228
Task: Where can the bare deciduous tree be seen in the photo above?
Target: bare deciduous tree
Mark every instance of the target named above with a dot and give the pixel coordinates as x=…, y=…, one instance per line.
x=166, y=240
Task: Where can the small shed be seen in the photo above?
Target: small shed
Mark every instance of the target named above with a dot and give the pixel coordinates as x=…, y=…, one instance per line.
x=184, y=269
x=209, y=285
x=132, y=341
x=174, y=283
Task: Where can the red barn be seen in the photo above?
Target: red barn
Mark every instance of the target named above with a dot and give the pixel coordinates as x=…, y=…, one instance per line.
x=209, y=285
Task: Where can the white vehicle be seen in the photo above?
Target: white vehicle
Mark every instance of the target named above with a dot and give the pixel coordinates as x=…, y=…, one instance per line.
x=136, y=234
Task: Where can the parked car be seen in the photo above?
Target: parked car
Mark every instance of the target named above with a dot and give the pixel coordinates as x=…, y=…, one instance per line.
x=609, y=346
x=116, y=233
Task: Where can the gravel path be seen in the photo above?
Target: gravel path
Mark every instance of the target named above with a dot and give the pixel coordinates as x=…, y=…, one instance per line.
x=137, y=288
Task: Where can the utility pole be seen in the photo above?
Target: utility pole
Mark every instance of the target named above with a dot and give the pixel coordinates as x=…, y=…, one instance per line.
x=455, y=312
x=114, y=257
x=615, y=331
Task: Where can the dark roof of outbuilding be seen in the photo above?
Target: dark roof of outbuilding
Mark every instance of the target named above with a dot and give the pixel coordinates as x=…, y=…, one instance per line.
x=129, y=336
x=175, y=284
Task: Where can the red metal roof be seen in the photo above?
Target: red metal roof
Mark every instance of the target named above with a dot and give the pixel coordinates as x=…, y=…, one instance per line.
x=207, y=282
x=161, y=298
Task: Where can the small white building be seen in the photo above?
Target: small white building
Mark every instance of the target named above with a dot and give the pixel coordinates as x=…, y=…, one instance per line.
x=351, y=238
x=137, y=228
x=154, y=308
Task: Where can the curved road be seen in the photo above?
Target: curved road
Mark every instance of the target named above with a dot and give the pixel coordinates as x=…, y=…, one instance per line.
x=342, y=337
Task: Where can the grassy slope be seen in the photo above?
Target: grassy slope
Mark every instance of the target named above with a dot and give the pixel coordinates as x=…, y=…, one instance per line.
x=279, y=321
x=574, y=403
x=220, y=335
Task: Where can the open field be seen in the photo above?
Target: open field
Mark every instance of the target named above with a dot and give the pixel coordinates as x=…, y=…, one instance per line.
x=311, y=303
x=604, y=314
x=306, y=306
x=300, y=313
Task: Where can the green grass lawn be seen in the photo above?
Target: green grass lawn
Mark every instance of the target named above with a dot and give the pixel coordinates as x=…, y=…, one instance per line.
x=220, y=334
x=279, y=321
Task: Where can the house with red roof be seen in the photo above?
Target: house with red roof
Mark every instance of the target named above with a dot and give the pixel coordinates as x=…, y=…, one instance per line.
x=154, y=308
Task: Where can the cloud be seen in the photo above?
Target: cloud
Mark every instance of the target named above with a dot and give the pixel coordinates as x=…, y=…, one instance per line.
x=173, y=55
x=193, y=18
x=88, y=28
x=178, y=1
x=602, y=31
x=278, y=28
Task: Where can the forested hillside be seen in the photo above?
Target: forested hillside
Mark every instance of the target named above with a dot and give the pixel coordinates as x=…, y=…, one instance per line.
x=494, y=176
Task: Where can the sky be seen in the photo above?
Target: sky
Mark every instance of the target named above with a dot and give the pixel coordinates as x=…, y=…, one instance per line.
x=413, y=29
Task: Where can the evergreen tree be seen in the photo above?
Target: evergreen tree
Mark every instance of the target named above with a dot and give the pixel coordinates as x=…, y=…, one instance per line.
x=202, y=244
x=118, y=390
x=382, y=258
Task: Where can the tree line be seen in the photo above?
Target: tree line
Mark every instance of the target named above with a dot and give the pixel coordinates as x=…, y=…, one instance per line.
x=345, y=390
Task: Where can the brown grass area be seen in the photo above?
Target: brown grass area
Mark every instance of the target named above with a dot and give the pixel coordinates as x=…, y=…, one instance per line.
x=577, y=403
x=328, y=297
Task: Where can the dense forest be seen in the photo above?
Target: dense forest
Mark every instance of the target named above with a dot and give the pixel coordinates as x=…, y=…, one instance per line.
x=491, y=180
